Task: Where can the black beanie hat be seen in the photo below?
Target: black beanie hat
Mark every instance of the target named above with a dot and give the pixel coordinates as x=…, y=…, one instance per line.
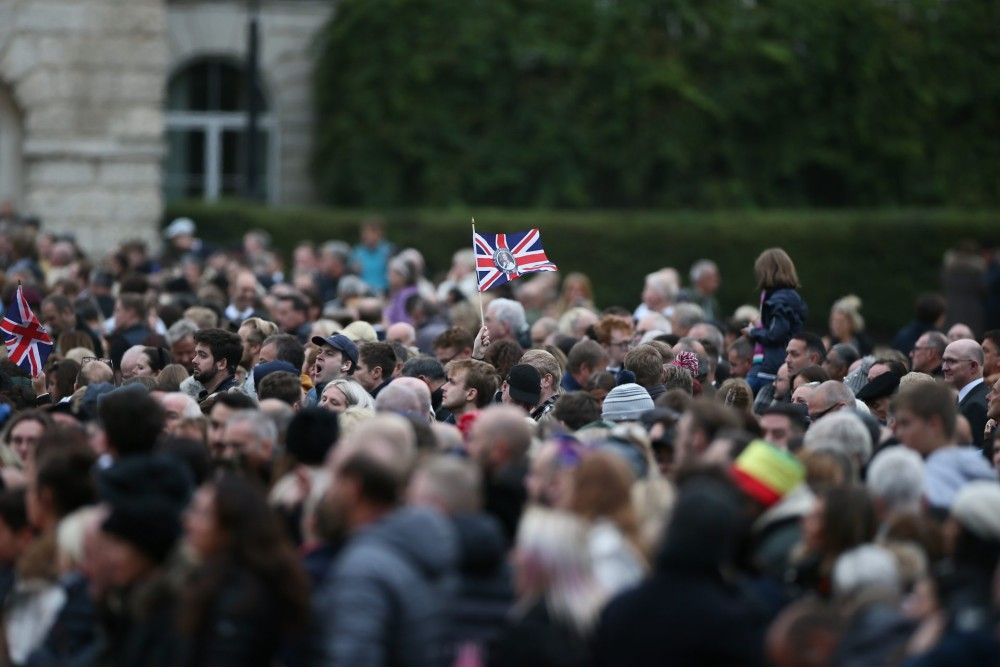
x=150, y=523
x=311, y=434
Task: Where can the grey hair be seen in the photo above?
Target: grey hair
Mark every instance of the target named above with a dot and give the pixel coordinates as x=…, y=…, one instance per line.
x=350, y=287
x=401, y=400
x=456, y=484
x=896, y=476
x=846, y=430
x=261, y=425
x=864, y=568
x=688, y=314
x=699, y=268
x=191, y=409
x=180, y=330
x=509, y=312
x=337, y=249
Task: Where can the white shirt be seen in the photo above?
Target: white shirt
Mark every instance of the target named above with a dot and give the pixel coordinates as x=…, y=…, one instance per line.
x=967, y=388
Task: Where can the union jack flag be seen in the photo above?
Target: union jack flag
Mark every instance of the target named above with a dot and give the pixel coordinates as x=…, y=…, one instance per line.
x=501, y=258
x=28, y=344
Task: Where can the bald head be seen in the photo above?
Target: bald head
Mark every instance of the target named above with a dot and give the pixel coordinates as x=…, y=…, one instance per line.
x=401, y=332
x=962, y=362
x=500, y=435
x=829, y=397
x=405, y=396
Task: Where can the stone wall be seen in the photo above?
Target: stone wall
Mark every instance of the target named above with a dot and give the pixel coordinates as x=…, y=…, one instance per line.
x=202, y=29
x=88, y=77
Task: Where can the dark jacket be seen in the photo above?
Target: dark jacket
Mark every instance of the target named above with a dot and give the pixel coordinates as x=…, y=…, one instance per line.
x=122, y=339
x=687, y=613
x=139, y=625
x=504, y=495
x=538, y=640
x=74, y=632
x=907, y=337
x=241, y=628
x=485, y=591
x=783, y=315
x=973, y=408
x=386, y=599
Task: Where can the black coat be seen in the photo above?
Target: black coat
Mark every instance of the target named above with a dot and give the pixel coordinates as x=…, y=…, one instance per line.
x=538, y=640
x=973, y=408
x=485, y=589
x=681, y=618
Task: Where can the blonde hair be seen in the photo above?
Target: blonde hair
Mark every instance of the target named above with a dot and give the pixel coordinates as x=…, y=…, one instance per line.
x=552, y=555
x=850, y=306
x=774, y=269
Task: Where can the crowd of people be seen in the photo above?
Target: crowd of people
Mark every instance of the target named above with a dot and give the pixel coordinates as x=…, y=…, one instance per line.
x=231, y=459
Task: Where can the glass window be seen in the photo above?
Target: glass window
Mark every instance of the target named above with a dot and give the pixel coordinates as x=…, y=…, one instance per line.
x=206, y=133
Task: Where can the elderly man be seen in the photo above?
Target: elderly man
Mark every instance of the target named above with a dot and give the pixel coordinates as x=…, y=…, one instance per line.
x=829, y=397
x=249, y=438
x=658, y=293
x=963, y=370
x=244, y=293
x=505, y=320
x=926, y=355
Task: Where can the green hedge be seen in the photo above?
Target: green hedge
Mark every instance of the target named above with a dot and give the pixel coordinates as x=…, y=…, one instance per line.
x=658, y=104
x=885, y=256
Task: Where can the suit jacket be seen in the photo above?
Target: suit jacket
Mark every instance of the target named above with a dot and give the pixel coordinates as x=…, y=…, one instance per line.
x=973, y=407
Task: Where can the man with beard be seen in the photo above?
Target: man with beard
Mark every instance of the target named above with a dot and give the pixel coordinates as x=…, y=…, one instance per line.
x=59, y=317
x=216, y=355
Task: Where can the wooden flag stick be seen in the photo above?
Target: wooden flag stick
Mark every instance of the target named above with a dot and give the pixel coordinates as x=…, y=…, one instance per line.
x=482, y=317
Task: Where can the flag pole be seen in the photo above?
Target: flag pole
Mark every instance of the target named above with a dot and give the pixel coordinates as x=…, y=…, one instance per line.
x=482, y=317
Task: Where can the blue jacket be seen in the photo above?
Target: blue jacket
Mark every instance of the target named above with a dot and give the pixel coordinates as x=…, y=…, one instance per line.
x=783, y=315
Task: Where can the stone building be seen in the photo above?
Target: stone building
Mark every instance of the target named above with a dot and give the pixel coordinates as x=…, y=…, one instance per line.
x=110, y=107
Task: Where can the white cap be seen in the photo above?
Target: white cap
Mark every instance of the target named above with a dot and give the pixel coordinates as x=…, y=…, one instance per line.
x=179, y=227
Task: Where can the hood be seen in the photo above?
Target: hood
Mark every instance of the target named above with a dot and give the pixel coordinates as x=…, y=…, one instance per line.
x=481, y=543
x=421, y=535
x=796, y=504
x=947, y=470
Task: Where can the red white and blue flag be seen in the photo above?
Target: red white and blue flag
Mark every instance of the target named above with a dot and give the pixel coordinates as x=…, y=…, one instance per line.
x=501, y=258
x=28, y=344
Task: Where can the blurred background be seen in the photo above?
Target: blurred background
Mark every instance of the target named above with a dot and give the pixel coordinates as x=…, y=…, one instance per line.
x=859, y=134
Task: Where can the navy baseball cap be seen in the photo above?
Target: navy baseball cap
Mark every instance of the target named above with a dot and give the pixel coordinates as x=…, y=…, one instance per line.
x=341, y=343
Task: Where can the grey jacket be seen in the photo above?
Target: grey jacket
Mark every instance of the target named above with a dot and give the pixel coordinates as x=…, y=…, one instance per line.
x=386, y=599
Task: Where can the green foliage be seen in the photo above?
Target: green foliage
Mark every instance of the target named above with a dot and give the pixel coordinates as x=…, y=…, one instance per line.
x=885, y=257
x=659, y=103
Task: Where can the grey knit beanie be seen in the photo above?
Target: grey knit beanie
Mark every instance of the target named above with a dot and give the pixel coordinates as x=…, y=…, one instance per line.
x=626, y=402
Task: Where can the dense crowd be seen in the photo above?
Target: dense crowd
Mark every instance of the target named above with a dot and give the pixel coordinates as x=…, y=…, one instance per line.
x=231, y=459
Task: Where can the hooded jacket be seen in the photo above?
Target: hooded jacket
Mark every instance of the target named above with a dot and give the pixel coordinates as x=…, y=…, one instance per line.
x=386, y=600
x=783, y=315
x=687, y=613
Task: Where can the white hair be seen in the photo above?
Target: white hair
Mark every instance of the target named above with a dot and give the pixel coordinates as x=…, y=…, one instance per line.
x=664, y=282
x=261, y=425
x=190, y=409
x=864, y=568
x=896, y=476
x=701, y=267
x=846, y=430
x=509, y=312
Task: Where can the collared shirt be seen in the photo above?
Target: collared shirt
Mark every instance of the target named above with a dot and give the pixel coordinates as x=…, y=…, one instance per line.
x=234, y=315
x=967, y=388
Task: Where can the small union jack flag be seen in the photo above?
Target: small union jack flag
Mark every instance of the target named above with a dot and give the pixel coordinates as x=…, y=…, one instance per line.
x=28, y=344
x=501, y=258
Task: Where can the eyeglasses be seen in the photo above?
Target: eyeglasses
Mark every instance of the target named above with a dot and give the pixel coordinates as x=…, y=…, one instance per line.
x=621, y=344
x=818, y=415
x=947, y=361
x=102, y=360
